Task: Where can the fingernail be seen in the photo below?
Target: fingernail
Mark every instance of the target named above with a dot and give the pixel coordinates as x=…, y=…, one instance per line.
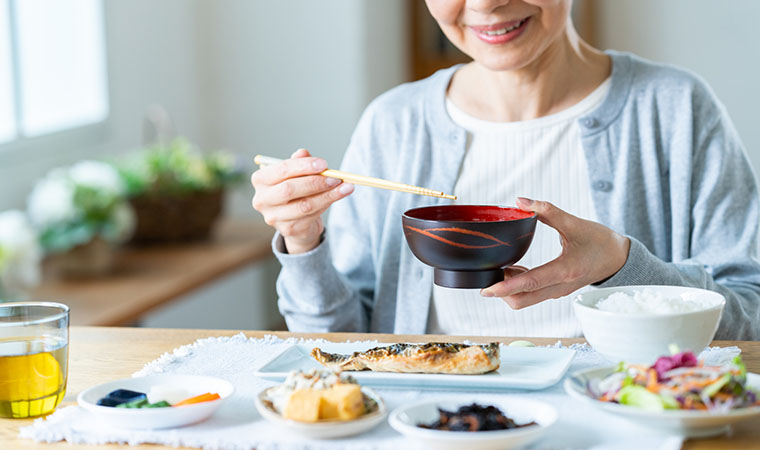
x=486, y=293
x=319, y=164
x=332, y=181
x=525, y=200
x=346, y=188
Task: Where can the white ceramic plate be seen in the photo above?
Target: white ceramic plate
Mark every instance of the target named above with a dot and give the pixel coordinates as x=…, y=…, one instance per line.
x=521, y=368
x=687, y=423
x=522, y=410
x=155, y=418
x=326, y=429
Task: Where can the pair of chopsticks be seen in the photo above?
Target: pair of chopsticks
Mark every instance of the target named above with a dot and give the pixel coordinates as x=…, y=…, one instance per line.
x=362, y=180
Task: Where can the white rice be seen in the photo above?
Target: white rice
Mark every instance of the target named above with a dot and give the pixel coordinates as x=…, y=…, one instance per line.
x=652, y=302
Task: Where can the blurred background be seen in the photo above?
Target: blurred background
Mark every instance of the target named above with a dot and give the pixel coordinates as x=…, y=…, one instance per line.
x=118, y=81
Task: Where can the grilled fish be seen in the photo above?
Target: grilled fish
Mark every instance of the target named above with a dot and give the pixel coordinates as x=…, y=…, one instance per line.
x=434, y=357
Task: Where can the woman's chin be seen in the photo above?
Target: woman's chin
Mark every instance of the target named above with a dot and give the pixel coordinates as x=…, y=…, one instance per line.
x=503, y=62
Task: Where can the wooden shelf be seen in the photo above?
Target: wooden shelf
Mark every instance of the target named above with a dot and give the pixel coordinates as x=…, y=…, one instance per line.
x=146, y=277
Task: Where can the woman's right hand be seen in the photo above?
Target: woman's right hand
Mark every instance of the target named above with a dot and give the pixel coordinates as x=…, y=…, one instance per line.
x=292, y=196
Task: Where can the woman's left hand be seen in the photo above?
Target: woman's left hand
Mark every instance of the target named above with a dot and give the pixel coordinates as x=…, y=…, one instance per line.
x=591, y=253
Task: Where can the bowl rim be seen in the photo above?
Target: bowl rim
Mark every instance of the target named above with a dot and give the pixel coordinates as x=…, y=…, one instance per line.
x=405, y=214
x=412, y=430
x=593, y=310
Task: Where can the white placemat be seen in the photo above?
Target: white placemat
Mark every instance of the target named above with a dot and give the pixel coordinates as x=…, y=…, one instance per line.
x=238, y=426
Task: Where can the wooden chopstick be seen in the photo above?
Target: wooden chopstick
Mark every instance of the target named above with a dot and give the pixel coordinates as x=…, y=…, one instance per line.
x=362, y=180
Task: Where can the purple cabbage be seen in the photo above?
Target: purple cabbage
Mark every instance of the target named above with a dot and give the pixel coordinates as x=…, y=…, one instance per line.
x=666, y=363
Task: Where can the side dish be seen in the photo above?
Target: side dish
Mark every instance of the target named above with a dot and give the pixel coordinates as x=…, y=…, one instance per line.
x=677, y=382
x=473, y=417
x=319, y=395
x=435, y=357
x=158, y=397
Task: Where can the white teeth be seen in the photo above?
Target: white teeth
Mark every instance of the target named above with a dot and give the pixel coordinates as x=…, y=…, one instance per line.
x=503, y=30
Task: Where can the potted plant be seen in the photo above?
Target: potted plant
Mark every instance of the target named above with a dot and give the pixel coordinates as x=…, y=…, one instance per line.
x=176, y=191
x=81, y=213
x=20, y=256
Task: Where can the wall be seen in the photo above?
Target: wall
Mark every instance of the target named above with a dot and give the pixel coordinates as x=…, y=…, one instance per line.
x=278, y=76
x=717, y=40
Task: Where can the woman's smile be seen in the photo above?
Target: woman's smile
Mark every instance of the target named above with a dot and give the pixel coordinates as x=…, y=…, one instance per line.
x=499, y=33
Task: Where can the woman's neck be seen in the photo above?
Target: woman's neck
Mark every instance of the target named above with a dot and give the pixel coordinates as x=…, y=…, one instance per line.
x=565, y=73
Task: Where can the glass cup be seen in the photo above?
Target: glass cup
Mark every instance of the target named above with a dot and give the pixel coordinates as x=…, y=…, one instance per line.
x=34, y=356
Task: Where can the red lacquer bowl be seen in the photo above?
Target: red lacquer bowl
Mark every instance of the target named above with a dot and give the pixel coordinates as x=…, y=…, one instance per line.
x=468, y=245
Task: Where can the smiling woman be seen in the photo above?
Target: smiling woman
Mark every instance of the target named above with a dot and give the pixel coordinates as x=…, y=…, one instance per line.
x=628, y=162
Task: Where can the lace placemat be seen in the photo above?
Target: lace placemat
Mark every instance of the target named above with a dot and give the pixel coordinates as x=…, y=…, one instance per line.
x=238, y=426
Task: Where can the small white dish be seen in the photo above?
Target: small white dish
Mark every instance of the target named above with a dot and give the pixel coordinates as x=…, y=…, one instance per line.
x=326, y=429
x=687, y=423
x=520, y=368
x=156, y=418
x=406, y=419
x=643, y=337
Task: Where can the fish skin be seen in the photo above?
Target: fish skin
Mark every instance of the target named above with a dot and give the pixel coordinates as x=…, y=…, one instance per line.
x=434, y=357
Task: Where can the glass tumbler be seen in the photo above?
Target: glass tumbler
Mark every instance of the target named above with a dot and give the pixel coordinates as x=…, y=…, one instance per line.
x=34, y=356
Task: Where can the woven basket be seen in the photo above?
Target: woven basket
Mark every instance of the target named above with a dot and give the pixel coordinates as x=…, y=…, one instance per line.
x=176, y=218
x=91, y=260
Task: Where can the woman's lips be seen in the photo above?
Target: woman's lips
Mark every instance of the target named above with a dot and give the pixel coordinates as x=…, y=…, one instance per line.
x=501, y=32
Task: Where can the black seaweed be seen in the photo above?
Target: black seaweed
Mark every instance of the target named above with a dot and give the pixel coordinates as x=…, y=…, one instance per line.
x=473, y=417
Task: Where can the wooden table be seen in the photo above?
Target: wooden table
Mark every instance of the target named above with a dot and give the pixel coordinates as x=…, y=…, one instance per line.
x=146, y=277
x=100, y=354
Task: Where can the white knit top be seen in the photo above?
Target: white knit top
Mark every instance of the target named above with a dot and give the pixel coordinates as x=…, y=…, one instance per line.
x=540, y=159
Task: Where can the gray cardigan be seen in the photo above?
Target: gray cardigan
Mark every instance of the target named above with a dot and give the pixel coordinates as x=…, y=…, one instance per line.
x=666, y=168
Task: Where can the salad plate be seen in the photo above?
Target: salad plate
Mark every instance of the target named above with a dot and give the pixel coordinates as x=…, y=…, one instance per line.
x=157, y=418
x=685, y=422
x=406, y=420
x=520, y=368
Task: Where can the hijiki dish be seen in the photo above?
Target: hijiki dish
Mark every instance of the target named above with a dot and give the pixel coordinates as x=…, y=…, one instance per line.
x=676, y=382
x=473, y=417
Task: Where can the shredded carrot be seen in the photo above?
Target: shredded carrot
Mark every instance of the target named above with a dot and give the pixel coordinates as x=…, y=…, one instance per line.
x=207, y=397
x=698, y=384
x=652, y=385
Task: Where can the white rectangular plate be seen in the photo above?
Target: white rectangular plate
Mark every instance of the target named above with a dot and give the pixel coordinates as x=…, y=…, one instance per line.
x=521, y=368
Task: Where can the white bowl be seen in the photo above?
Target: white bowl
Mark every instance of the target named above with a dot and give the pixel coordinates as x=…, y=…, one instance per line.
x=642, y=338
x=326, y=429
x=156, y=418
x=405, y=420
x=686, y=423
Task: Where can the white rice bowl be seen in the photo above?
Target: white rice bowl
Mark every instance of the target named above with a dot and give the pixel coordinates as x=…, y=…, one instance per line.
x=637, y=324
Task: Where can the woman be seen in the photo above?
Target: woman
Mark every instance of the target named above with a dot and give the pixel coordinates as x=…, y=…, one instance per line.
x=647, y=180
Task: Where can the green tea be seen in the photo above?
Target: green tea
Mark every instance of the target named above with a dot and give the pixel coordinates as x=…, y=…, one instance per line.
x=32, y=375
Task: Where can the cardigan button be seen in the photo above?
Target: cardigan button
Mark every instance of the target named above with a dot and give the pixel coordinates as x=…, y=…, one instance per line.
x=603, y=186
x=454, y=137
x=590, y=122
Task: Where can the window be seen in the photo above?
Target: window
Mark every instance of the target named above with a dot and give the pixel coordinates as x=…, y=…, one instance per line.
x=52, y=66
